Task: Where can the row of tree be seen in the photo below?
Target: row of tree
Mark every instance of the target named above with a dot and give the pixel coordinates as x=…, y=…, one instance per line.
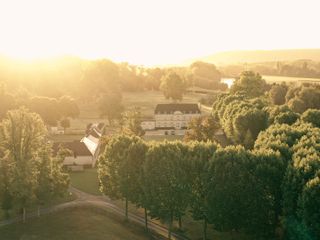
x=299, y=172
x=51, y=110
x=299, y=68
x=84, y=79
x=29, y=175
x=250, y=108
x=232, y=188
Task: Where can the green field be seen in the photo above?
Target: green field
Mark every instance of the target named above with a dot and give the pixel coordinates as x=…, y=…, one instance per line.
x=279, y=79
x=73, y=224
x=146, y=101
x=58, y=200
x=86, y=181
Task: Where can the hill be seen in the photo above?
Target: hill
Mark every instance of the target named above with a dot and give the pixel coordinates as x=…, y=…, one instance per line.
x=253, y=56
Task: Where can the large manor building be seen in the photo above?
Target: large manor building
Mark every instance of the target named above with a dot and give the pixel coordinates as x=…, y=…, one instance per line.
x=172, y=116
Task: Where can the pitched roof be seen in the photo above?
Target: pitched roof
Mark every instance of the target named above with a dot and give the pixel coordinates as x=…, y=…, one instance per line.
x=182, y=107
x=78, y=148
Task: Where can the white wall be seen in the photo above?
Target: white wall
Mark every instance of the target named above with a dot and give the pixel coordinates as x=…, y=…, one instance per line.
x=177, y=120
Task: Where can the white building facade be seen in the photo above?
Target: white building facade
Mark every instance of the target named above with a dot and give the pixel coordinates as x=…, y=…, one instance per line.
x=175, y=116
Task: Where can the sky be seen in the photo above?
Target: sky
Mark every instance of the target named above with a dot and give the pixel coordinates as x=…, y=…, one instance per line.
x=154, y=32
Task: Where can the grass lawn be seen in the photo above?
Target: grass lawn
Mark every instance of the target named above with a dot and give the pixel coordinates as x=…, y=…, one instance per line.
x=66, y=137
x=148, y=100
x=58, y=200
x=86, y=181
x=77, y=224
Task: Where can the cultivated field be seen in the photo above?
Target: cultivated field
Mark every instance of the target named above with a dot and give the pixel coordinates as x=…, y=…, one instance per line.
x=76, y=224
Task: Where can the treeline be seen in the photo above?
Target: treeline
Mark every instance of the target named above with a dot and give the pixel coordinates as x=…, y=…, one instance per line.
x=252, y=106
x=29, y=174
x=52, y=110
x=299, y=68
x=257, y=192
x=88, y=79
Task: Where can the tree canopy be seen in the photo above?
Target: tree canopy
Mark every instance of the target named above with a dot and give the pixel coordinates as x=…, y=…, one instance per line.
x=173, y=86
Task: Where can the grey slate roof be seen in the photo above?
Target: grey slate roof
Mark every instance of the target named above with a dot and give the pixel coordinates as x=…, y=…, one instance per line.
x=170, y=108
x=78, y=148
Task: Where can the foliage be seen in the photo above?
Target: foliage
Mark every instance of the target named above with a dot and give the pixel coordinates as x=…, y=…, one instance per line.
x=131, y=123
x=68, y=107
x=299, y=148
x=199, y=157
x=311, y=116
x=167, y=182
x=52, y=110
x=282, y=115
x=201, y=129
x=249, y=83
x=30, y=170
x=206, y=75
x=238, y=199
x=7, y=101
x=120, y=166
x=99, y=77
x=65, y=123
x=303, y=97
x=173, y=86
x=277, y=94
x=241, y=119
x=110, y=106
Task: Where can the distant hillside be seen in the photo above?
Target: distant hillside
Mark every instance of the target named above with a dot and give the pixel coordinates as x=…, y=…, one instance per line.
x=253, y=56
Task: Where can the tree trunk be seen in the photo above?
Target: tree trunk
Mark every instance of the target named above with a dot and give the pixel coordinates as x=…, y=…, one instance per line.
x=126, y=209
x=146, y=218
x=170, y=226
x=205, y=229
x=38, y=211
x=180, y=222
x=23, y=214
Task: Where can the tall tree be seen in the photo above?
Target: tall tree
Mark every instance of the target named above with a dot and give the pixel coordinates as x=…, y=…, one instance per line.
x=201, y=129
x=237, y=200
x=311, y=116
x=65, y=123
x=173, y=86
x=250, y=83
x=7, y=101
x=167, y=190
x=51, y=181
x=99, y=76
x=277, y=94
x=68, y=107
x=110, y=106
x=120, y=167
x=6, y=199
x=47, y=108
x=22, y=135
x=131, y=122
x=199, y=157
